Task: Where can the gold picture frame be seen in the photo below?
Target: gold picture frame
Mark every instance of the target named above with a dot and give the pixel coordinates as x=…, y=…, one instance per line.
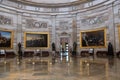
x=36, y=40
x=93, y=38
x=6, y=39
x=119, y=33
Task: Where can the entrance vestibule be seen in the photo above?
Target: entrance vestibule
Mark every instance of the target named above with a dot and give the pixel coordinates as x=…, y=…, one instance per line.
x=64, y=48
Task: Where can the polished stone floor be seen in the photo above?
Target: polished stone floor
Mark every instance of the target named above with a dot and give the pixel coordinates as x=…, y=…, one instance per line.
x=76, y=68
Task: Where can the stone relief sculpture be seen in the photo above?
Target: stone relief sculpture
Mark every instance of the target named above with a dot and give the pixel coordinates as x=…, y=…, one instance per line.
x=5, y=20
x=31, y=23
x=94, y=19
x=63, y=25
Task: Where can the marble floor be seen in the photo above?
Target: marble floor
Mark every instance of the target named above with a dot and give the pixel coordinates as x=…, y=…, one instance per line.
x=76, y=68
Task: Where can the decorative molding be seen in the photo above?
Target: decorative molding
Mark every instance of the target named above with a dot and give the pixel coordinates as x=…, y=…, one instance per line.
x=34, y=3
x=54, y=9
x=64, y=34
x=47, y=9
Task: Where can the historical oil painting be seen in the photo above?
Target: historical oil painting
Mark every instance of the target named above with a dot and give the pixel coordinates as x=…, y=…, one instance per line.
x=6, y=39
x=93, y=38
x=36, y=39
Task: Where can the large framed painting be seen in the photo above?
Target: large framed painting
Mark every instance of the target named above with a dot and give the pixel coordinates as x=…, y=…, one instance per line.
x=6, y=39
x=119, y=33
x=36, y=40
x=93, y=38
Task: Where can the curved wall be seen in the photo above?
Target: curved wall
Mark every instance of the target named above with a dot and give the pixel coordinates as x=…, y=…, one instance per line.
x=61, y=22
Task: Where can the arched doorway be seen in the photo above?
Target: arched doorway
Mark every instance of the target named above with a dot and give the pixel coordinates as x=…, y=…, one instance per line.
x=64, y=46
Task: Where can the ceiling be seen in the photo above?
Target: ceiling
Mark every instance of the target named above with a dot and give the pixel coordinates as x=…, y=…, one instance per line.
x=51, y=3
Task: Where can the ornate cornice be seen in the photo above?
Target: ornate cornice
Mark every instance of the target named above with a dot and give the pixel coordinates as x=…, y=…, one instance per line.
x=51, y=4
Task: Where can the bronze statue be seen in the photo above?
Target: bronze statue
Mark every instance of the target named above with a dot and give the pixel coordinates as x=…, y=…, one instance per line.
x=19, y=50
x=110, y=49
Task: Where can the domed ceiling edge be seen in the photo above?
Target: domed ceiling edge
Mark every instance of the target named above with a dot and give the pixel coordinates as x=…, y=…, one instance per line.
x=55, y=4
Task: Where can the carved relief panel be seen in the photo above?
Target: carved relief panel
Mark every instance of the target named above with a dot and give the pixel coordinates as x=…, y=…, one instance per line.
x=5, y=20
x=63, y=25
x=94, y=20
x=31, y=23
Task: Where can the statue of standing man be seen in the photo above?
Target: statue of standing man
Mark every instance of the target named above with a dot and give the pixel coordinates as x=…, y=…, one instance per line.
x=19, y=50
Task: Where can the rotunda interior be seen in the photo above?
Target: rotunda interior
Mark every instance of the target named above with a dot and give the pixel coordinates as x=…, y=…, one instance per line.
x=38, y=38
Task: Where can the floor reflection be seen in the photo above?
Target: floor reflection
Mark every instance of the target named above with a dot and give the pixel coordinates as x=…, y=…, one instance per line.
x=55, y=69
x=111, y=61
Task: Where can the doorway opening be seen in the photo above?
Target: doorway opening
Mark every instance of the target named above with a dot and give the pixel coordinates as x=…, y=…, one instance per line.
x=64, y=48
